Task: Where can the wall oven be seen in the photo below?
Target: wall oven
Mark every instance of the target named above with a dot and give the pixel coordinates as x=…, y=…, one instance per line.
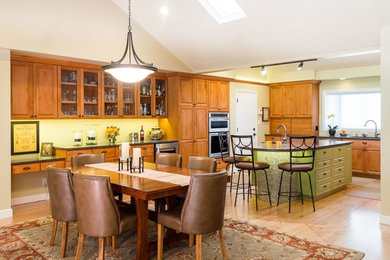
x=218, y=123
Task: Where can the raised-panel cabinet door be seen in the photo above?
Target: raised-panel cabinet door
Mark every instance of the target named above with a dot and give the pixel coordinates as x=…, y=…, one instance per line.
x=186, y=123
x=358, y=160
x=213, y=95
x=201, y=148
x=290, y=101
x=373, y=161
x=301, y=126
x=276, y=101
x=201, y=123
x=201, y=92
x=304, y=100
x=275, y=122
x=186, y=91
x=223, y=96
x=186, y=149
x=21, y=90
x=45, y=91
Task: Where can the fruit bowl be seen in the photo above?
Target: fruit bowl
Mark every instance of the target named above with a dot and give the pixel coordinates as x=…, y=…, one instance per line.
x=156, y=133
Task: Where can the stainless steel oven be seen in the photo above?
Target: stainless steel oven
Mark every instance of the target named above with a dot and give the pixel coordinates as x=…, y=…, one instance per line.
x=171, y=147
x=218, y=123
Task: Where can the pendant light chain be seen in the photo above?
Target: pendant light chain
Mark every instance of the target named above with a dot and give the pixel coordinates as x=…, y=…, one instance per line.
x=129, y=27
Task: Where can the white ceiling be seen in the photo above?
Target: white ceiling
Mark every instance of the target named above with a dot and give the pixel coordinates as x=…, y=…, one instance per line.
x=273, y=31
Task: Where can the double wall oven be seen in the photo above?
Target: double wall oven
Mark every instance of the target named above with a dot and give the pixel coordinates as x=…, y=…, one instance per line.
x=218, y=123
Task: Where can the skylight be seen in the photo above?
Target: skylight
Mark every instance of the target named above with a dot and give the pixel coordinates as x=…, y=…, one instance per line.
x=223, y=11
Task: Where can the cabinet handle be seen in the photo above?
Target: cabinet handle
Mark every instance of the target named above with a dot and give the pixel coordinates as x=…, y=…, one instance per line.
x=144, y=148
x=26, y=168
x=339, y=169
x=32, y=116
x=104, y=151
x=80, y=153
x=340, y=180
x=325, y=186
x=340, y=160
x=364, y=143
x=339, y=150
x=325, y=174
x=324, y=152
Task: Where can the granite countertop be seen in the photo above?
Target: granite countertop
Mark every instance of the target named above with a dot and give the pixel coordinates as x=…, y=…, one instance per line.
x=33, y=158
x=107, y=145
x=321, y=144
x=353, y=137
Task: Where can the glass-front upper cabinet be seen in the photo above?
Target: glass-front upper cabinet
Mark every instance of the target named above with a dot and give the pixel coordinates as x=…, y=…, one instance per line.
x=161, y=97
x=110, y=95
x=129, y=97
x=91, y=93
x=146, y=92
x=69, y=81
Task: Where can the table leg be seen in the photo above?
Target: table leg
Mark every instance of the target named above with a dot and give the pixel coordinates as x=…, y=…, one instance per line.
x=142, y=229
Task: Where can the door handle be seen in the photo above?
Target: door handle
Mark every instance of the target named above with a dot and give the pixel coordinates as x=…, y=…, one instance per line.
x=254, y=134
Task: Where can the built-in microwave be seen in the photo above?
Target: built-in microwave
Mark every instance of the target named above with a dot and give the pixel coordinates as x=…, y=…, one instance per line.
x=218, y=122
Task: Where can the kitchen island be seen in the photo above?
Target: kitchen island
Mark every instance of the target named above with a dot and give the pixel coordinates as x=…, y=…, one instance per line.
x=332, y=169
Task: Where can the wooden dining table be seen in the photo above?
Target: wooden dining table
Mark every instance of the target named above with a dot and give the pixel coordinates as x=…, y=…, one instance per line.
x=142, y=190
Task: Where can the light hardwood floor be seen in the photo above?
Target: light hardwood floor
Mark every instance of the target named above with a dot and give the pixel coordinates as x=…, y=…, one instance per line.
x=342, y=220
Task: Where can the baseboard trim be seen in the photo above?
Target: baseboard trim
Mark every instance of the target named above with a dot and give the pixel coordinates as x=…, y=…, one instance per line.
x=29, y=199
x=385, y=220
x=5, y=213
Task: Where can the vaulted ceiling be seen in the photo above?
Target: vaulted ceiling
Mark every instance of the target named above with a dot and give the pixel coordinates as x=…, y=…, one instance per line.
x=273, y=31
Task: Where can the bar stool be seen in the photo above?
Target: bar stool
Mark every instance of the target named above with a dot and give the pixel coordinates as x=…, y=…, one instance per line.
x=223, y=138
x=242, y=146
x=302, y=154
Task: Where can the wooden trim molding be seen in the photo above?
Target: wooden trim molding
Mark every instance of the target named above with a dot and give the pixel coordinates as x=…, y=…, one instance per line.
x=6, y=213
x=314, y=82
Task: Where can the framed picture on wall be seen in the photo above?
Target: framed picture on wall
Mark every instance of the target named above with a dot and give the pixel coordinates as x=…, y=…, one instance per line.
x=265, y=115
x=47, y=149
x=24, y=137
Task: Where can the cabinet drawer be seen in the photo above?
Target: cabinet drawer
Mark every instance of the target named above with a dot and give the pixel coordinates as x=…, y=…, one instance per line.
x=324, y=163
x=322, y=188
x=145, y=149
x=339, y=160
x=338, y=171
x=338, y=182
x=360, y=144
x=69, y=154
x=149, y=159
x=110, y=152
x=324, y=153
x=340, y=150
x=58, y=164
x=323, y=175
x=25, y=168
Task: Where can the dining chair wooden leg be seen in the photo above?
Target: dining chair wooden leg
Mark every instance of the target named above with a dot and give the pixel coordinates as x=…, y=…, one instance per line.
x=222, y=243
x=64, y=238
x=160, y=241
x=108, y=241
x=190, y=240
x=113, y=242
x=80, y=244
x=101, y=248
x=53, y=232
x=198, y=247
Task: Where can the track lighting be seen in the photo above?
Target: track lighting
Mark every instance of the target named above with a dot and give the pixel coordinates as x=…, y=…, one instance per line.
x=300, y=66
x=263, y=70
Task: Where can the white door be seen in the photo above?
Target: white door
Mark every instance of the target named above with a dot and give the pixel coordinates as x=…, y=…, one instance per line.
x=246, y=113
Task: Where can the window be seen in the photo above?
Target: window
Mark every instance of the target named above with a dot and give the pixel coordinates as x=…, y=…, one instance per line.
x=223, y=11
x=352, y=109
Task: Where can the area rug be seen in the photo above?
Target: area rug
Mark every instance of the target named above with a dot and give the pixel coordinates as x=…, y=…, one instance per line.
x=29, y=240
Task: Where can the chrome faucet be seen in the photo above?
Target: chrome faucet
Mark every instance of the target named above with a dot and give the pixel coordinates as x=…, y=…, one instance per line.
x=284, y=141
x=376, y=128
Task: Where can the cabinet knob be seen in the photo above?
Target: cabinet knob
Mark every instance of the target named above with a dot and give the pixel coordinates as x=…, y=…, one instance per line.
x=364, y=142
x=104, y=151
x=26, y=168
x=32, y=116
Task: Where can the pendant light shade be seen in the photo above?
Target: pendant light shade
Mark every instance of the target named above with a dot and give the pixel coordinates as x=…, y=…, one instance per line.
x=130, y=73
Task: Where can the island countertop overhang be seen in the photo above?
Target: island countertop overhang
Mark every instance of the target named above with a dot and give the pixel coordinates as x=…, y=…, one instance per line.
x=321, y=144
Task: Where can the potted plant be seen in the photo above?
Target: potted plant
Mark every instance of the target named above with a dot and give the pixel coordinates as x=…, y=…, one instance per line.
x=111, y=133
x=332, y=127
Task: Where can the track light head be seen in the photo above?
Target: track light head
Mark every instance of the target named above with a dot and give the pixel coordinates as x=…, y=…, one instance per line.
x=263, y=70
x=300, y=66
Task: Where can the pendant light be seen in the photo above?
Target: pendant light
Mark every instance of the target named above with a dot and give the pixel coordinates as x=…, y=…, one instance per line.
x=130, y=73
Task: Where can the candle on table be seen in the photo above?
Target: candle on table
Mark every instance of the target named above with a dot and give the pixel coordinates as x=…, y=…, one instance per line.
x=136, y=156
x=125, y=146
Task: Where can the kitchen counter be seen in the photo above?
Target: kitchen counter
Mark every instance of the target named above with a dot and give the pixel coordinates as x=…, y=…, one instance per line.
x=352, y=137
x=321, y=144
x=33, y=158
x=70, y=147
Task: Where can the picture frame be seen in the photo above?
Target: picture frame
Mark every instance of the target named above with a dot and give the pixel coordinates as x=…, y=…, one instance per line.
x=265, y=114
x=24, y=137
x=46, y=149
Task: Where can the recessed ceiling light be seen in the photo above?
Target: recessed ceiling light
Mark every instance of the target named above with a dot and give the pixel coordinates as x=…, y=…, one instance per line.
x=223, y=11
x=343, y=78
x=164, y=10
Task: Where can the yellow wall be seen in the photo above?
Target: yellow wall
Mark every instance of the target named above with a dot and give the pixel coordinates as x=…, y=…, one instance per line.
x=89, y=29
x=385, y=136
x=5, y=151
x=60, y=132
x=262, y=101
x=348, y=84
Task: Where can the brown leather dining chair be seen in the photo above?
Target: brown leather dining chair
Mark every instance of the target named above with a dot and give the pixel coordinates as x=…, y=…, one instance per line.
x=202, y=163
x=202, y=212
x=99, y=215
x=62, y=202
x=79, y=160
x=171, y=159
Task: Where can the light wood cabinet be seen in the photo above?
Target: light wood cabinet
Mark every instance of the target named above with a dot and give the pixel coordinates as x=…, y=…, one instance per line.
x=201, y=95
x=147, y=151
x=186, y=91
x=33, y=90
x=187, y=123
x=219, y=96
x=186, y=149
x=366, y=158
x=296, y=105
x=111, y=153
